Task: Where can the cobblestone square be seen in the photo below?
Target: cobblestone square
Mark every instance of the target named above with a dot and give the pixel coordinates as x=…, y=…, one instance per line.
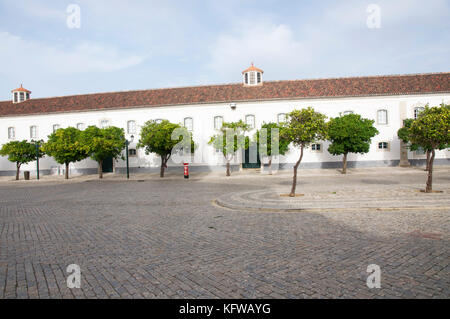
x=171, y=238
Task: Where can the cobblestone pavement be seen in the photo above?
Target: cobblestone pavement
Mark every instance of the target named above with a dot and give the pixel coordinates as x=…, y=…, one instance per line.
x=164, y=238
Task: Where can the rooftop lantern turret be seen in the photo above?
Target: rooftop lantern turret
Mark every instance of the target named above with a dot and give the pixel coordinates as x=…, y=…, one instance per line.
x=20, y=95
x=252, y=76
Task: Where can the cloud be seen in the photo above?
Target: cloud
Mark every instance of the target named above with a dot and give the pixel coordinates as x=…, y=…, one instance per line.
x=20, y=56
x=334, y=40
x=273, y=47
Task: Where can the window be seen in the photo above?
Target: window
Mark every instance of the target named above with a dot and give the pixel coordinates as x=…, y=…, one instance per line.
x=132, y=152
x=420, y=151
x=383, y=146
x=104, y=123
x=56, y=127
x=281, y=118
x=28, y=95
x=131, y=127
x=258, y=77
x=11, y=133
x=80, y=126
x=316, y=147
x=246, y=78
x=250, y=121
x=16, y=97
x=21, y=96
x=348, y=112
x=189, y=123
x=417, y=111
x=33, y=131
x=218, y=121
x=252, y=78
x=382, y=117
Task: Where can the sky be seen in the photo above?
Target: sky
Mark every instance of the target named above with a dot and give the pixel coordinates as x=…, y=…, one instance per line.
x=132, y=45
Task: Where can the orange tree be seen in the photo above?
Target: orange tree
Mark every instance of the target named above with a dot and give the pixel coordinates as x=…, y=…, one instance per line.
x=304, y=127
x=229, y=140
x=20, y=153
x=350, y=134
x=431, y=130
x=65, y=146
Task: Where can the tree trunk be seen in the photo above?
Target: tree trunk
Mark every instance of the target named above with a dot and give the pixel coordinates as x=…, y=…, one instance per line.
x=428, y=160
x=17, y=170
x=270, y=165
x=163, y=166
x=294, y=180
x=66, y=173
x=228, y=168
x=100, y=169
x=344, y=164
x=429, y=188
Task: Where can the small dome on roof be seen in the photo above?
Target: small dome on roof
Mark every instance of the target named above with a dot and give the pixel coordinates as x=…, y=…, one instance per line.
x=21, y=89
x=20, y=95
x=252, y=76
x=252, y=68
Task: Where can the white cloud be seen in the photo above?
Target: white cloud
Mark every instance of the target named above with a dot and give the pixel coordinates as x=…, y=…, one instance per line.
x=27, y=57
x=272, y=47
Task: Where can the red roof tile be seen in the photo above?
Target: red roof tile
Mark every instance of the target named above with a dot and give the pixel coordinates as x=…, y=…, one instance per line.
x=297, y=89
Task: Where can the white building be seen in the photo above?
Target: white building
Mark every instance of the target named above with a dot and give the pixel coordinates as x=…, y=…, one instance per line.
x=386, y=99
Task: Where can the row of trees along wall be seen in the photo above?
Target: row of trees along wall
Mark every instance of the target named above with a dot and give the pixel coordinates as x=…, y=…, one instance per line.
x=347, y=133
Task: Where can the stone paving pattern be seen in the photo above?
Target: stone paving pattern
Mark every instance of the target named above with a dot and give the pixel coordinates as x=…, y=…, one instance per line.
x=165, y=239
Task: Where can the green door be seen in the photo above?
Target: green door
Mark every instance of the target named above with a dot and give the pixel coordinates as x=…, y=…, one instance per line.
x=108, y=165
x=251, y=162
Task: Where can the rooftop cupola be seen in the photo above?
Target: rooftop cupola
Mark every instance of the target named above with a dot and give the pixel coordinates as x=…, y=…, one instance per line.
x=20, y=95
x=252, y=76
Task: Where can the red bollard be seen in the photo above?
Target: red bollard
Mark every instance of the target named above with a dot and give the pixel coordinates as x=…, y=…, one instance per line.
x=186, y=170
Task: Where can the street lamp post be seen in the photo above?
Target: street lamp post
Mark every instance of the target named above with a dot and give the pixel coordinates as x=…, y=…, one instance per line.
x=37, y=160
x=126, y=148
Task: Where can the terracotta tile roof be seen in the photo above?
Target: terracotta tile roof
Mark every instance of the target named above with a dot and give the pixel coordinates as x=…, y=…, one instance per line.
x=296, y=89
x=21, y=89
x=252, y=68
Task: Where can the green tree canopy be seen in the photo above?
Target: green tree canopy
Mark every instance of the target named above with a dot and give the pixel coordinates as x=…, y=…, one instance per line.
x=20, y=152
x=272, y=141
x=164, y=138
x=230, y=138
x=304, y=127
x=103, y=143
x=66, y=147
x=350, y=133
x=431, y=130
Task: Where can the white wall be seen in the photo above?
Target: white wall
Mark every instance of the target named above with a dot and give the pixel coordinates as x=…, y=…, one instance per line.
x=203, y=117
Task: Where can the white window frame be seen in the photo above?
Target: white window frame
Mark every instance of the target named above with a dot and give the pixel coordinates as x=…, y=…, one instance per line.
x=284, y=116
x=313, y=145
x=386, y=122
x=21, y=96
x=387, y=149
x=420, y=152
x=16, y=97
x=55, y=127
x=12, y=130
x=417, y=111
x=215, y=123
x=131, y=127
x=104, y=121
x=252, y=78
x=35, y=131
x=253, y=124
x=131, y=149
x=189, y=127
